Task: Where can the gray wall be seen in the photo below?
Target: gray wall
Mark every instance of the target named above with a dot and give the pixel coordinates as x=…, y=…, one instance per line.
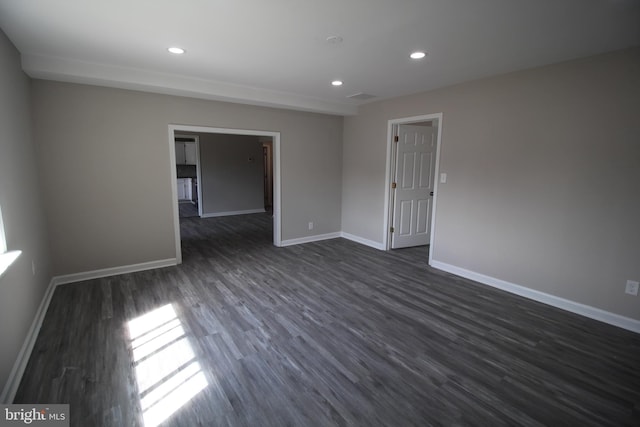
x=20, y=290
x=104, y=162
x=230, y=182
x=543, y=177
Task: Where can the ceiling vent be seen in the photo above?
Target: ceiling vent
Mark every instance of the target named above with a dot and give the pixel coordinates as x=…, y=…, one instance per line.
x=361, y=96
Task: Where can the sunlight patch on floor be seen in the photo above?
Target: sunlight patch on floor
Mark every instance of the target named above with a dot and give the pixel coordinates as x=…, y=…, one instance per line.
x=167, y=371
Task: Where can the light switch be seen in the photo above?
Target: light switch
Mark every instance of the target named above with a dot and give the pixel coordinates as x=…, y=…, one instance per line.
x=443, y=178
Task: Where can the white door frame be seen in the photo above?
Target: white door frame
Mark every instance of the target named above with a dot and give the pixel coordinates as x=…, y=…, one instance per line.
x=437, y=117
x=173, y=128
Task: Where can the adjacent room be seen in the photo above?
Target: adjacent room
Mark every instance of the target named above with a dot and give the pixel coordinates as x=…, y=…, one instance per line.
x=321, y=213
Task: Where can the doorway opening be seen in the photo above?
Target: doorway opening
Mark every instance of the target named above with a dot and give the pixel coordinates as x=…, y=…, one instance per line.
x=188, y=175
x=272, y=137
x=413, y=158
x=267, y=160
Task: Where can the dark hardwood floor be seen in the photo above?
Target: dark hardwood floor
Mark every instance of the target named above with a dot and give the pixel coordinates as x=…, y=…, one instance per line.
x=321, y=334
x=187, y=210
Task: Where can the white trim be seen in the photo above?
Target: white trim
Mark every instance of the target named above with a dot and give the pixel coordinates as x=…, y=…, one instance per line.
x=558, y=302
x=275, y=136
x=229, y=213
x=277, y=182
x=388, y=204
x=386, y=241
x=98, y=74
x=113, y=271
x=363, y=241
x=436, y=183
x=15, y=376
x=174, y=193
x=199, y=178
x=310, y=239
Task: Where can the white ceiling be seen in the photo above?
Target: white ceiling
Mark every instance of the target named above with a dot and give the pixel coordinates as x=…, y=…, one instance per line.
x=274, y=52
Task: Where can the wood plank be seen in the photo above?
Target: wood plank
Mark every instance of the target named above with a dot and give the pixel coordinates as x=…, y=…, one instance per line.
x=330, y=333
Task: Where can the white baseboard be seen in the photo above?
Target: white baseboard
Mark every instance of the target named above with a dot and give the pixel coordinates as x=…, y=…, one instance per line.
x=562, y=303
x=113, y=271
x=216, y=214
x=17, y=371
x=15, y=376
x=363, y=241
x=310, y=239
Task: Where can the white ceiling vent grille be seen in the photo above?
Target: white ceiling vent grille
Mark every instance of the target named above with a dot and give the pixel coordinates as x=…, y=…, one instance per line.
x=361, y=96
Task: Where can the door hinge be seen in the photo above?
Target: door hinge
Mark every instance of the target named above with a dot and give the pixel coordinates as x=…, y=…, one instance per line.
x=396, y=138
x=391, y=229
x=393, y=185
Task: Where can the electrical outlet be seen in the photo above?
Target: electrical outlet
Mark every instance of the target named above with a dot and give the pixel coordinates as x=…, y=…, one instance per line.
x=310, y=225
x=632, y=288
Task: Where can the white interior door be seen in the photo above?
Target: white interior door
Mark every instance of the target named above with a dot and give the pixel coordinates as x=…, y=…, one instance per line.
x=414, y=183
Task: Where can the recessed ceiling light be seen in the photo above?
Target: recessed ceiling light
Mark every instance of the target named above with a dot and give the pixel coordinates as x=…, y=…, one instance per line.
x=176, y=50
x=418, y=55
x=337, y=82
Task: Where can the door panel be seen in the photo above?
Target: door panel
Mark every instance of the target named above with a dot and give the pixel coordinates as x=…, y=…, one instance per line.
x=406, y=213
x=408, y=167
x=422, y=225
x=426, y=172
x=414, y=178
